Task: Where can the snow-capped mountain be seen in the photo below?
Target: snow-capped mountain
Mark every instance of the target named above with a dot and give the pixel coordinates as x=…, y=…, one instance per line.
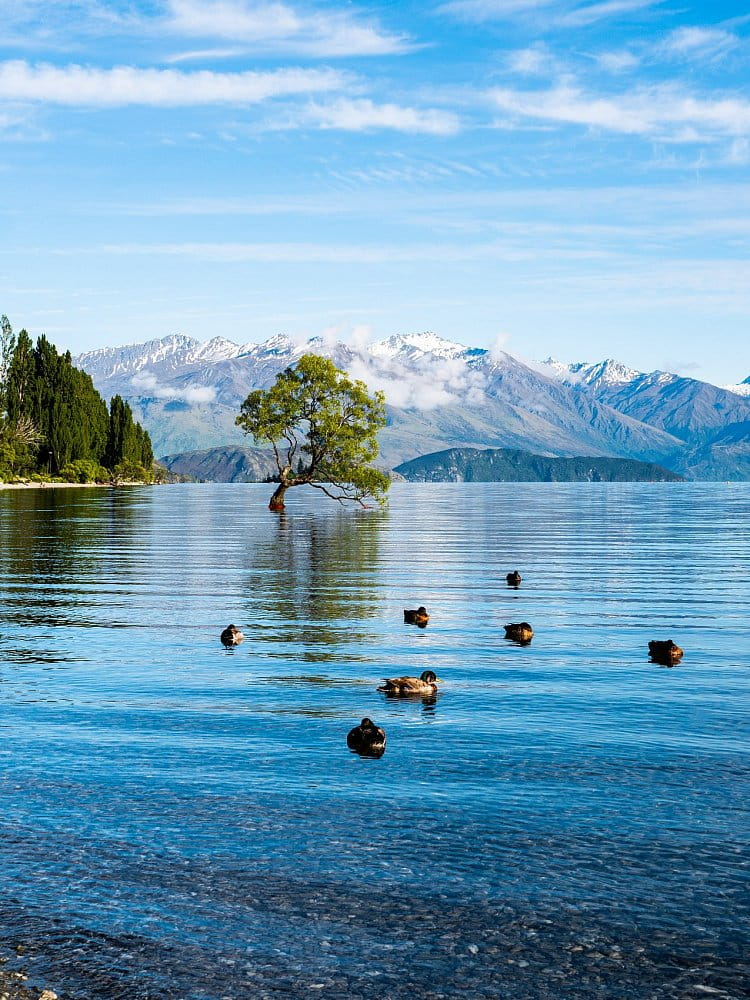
x=440, y=394
x=169, y=353
x=413, y=347
x=608, y=372
x=742, y=389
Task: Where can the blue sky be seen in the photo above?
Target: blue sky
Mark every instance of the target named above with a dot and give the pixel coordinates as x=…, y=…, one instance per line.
x=558, y=177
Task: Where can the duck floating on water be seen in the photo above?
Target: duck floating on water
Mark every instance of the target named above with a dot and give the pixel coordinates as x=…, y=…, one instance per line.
x=514, y=578
x=403, y=687
x=664, y=651
x=366, y=739
x=231, y=636
x=416, y=616
x=519, y=632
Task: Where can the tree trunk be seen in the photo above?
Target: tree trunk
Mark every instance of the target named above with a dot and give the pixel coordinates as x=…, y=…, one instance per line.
x=277, y=500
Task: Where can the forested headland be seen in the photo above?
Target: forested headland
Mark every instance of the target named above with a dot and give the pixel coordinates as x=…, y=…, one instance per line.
x=54, y=425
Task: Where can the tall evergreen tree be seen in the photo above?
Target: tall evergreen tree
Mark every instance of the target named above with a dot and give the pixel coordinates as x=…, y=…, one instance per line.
x=7, y=344
x=62, y=416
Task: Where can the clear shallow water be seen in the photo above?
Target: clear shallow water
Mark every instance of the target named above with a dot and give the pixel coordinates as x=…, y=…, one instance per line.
x=566, y=819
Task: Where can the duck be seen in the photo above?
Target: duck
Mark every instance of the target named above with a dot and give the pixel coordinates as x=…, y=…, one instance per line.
x=519, y=632
x=514, y=578
x=366, y=739
x=416, y=616
x=664, y=651
x=231, y=636
x=402, y=687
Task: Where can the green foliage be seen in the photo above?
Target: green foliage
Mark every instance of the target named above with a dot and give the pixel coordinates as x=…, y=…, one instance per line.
x=131, y=472
x=126, y=440
x=83, y=470
x=7, y=346
x=18, y=447
x=55, y=418
x=325, y=425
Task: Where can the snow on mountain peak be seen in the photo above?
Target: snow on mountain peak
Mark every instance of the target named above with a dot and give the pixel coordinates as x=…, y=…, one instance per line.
x=742, y=389
x=216, y=349
x=607, y=372
x=278, y=344
x=610, y=372
x=416, y=345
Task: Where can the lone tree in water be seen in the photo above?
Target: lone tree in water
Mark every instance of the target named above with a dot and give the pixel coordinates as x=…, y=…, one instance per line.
x=323, y=430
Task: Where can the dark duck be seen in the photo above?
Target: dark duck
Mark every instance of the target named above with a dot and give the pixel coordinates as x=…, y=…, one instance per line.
x=416, y=616
x=367, y=739
x=231, y=636
x=519, y=632
x=664, y=651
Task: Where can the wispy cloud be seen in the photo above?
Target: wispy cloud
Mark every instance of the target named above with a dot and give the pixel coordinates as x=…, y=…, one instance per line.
x=363, y=115
x=146, y=384
x=616, y=62
x=492, y=10
x=127, y=85
x=278, y=24
x=268, y=26
x=535, y=59
x=664, y=111
x=590, y=13
x=692, y=42
x=571, y=14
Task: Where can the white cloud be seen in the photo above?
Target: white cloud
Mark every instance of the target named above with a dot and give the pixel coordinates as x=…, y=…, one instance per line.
x=616, y=62
x=127, y=85
x=448, y=382
x=275, y=24
x=362, y=115
x=707, y=43
x=591, y=13
x=149, y=385
x=271, y=26
x=572, y=16
x=535, y=59
x=663, y=112
x=492, y=10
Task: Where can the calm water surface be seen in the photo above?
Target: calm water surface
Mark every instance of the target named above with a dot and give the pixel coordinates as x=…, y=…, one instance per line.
x=565, y=819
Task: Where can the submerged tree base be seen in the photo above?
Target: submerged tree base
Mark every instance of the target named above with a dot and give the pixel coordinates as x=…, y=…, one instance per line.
x=277, y=500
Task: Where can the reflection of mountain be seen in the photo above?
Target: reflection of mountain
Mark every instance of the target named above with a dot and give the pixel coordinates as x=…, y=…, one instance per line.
x=440, y=395
x=497, y=465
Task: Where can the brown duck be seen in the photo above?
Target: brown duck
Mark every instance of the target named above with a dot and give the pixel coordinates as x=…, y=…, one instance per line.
x=231, y=636
x=403, y=687
x=366, y=739
x=519, y=632
x=514, y=578
x=416, y=616
x=664, y=651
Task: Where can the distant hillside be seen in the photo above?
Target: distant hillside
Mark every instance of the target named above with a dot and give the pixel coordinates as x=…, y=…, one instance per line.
x=223, y=465
x=497, y=465
x=441, y=395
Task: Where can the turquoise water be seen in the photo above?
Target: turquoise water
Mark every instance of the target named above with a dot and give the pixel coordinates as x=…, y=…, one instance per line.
x=565, y=819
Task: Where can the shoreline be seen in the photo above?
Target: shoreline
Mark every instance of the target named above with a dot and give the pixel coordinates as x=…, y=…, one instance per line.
x=14, y=984
x=67, y=486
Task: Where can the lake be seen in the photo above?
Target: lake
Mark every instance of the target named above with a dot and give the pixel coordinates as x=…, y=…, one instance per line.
x=564, y=819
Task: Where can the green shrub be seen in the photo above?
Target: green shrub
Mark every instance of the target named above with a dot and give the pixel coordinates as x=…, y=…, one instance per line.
x=84, y=470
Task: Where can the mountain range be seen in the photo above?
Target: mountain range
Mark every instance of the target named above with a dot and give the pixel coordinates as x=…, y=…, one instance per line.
x=442, y=395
